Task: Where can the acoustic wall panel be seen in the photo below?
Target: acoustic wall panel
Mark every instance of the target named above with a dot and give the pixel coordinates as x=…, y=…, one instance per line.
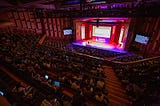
x=49, y=21
x=51, y=33
x=150, y=26
x=50, y=27
x=44, y=20
x=47, y=33
x=18, y=23
x=10, y=15
x=16, y=15
x=38, y=20
x=37, y=31
x=24, y=24
x=29, y=25
x=58, y=26
x=33, y=25
x=39, y=25
x=46, y=26
x=31, y=15
x=26, y=16
x=21, y=15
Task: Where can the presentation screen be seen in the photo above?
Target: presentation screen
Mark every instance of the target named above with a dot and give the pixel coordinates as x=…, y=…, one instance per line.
x=141, y=39
x=101, y=31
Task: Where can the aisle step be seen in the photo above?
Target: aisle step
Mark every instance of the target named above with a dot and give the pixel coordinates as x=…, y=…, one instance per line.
x=121, y=100
x=112, y=81
x=120, y=94
x=115, y=88
x=112, y=102
x=116, y=92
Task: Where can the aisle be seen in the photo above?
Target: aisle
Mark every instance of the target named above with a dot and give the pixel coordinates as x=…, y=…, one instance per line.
x=116, y=93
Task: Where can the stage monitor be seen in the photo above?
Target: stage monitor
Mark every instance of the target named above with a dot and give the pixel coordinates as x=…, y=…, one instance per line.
x=142, y=39
x=102, y=31
x=67, y=31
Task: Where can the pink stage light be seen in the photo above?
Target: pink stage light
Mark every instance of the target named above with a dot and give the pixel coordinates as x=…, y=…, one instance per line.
x=120, y=37
x=90, y=31
x=83, y=31
x=113, y=30
x=113, y=34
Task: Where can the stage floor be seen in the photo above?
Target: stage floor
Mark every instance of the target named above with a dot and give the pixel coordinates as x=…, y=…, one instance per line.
x=100, y=45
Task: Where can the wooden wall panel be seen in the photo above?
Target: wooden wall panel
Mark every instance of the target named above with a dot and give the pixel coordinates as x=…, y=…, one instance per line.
x=38, y=20
x=46, y=26
x=149, y=26
x=33, y=24
x=26, y=22
x=51, y=33
x=49, y=21
x=47, y=33
x=15, y=15
x=21, y=15
x=29, y=25
x=39, y=26
x=50, y=27
x=58, y=26
x=18, y=23
x=26, y=16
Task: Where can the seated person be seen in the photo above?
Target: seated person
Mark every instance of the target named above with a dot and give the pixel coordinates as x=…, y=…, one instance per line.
x=37, y=77
x=99, y=97
x=78, y=99
x=18, y=89
x=100, y=84
x=75, y=85
x=46, y=102
x=77, y=77
x=28, y=89
x=91, y=82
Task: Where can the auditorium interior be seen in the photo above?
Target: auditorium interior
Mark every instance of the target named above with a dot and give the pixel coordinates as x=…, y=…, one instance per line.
x=79, y=53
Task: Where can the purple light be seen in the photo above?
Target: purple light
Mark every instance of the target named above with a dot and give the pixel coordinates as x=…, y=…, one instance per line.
x=103, y=7
x=101, y=39
x=104, y=46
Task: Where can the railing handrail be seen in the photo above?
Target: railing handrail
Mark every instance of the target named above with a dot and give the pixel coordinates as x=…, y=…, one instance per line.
x=137, y=61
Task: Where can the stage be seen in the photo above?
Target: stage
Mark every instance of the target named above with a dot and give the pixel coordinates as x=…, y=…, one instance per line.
x=100, y=45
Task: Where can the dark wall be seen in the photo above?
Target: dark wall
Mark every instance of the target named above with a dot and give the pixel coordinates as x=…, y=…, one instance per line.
x=26, y=22
x=149, y=26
